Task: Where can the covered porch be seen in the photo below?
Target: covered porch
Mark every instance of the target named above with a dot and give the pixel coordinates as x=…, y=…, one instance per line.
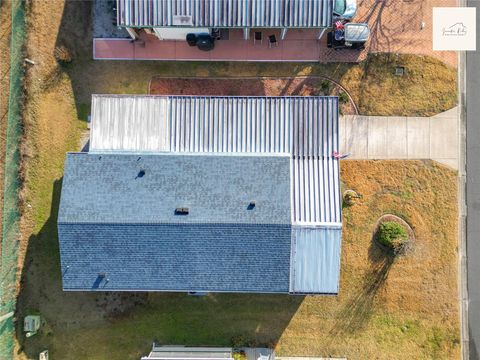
x=296, y=45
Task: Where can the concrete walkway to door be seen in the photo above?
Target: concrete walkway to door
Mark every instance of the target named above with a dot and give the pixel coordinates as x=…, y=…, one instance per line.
x=400, y=137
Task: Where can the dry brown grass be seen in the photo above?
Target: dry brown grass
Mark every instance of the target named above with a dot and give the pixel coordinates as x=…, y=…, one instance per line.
x=428, y=87
x=390, y=309
x=425, y=195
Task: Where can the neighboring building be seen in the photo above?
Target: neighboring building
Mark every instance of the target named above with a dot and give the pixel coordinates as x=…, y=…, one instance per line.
x=206, y=353
x=222, y=30
x=219, y=194
x=174, y=19
x=188, y=353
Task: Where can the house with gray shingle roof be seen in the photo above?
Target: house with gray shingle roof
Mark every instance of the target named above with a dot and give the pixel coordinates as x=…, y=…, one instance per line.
x=216, y=194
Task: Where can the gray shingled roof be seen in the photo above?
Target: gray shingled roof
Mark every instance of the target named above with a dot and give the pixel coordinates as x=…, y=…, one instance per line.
x=175, y=257
x=216, y=189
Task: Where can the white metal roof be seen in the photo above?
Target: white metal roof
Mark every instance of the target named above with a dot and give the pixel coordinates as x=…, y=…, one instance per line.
x=225, y=13
x=193, y=353
x=304, y=127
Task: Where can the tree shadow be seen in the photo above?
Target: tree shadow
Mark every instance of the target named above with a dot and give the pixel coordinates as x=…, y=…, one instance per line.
x=357, y=312
x=388, y=20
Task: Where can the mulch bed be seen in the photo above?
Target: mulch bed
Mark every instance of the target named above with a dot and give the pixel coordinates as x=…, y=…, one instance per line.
x=394, y=218
x=300, y=86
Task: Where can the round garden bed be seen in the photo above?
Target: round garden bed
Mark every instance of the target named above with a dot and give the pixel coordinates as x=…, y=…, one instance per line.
x=393, y=235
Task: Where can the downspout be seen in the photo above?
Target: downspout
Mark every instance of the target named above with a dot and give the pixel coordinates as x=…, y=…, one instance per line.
x=246, y=33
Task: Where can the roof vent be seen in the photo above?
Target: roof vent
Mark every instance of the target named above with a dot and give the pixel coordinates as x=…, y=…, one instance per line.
x=251, y=205
x=182, y=20
x=140, y=174
x=182, y=211
x=102, y=275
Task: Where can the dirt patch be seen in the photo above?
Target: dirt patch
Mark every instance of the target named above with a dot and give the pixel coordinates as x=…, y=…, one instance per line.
x=264, y=86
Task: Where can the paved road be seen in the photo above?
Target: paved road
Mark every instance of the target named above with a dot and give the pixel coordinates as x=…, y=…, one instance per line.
x=473, y=192
x=400, y=137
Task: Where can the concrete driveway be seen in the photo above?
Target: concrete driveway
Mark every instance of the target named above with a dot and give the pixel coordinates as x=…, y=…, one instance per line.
x=399, y=137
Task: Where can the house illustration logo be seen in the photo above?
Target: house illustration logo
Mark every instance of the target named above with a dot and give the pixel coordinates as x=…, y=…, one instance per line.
x=454, y=29
x=457, y=29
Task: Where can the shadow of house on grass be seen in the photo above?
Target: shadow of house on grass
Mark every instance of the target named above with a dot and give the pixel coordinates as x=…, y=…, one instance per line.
x=357, y=312
x=131, y=321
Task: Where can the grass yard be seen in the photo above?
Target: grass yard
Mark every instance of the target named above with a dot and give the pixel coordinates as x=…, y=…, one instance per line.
x=385, y=310
x=427, y=87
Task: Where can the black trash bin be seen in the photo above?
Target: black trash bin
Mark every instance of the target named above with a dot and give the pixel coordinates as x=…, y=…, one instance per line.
x=192, y=39
x=205, y=42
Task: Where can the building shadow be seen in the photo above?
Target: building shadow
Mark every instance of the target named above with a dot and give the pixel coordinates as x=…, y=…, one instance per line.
x=212, y=320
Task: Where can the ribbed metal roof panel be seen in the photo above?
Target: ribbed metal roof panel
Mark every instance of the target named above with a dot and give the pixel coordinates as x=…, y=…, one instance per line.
x=226, y=13
x=315, y=260
x=184, y=352
x=130, y=123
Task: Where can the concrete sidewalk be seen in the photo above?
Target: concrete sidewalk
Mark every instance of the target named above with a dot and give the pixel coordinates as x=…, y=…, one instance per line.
x=399, y=137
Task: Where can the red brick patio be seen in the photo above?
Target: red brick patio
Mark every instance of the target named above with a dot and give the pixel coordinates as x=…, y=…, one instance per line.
x=299, y=45
x=403, y=26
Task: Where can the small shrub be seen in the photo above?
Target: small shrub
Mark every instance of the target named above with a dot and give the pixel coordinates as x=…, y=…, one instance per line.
x=239, y=355
x=392, y=235
x=326, y=86
x=62, y=54
x=349, y=197
x=343, y=97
